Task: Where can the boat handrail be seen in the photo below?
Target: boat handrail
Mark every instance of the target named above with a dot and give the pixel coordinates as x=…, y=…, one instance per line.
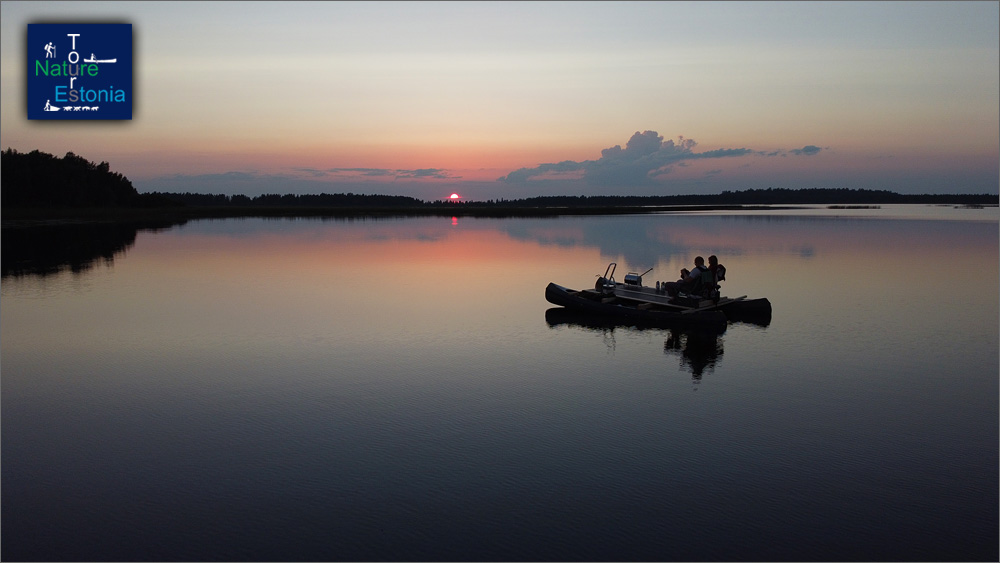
x=611, y=268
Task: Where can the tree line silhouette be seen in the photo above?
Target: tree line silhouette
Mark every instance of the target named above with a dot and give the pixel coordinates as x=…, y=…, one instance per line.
x=38, y=179
x=292, y=200
x=769, y=196
x=41, y=180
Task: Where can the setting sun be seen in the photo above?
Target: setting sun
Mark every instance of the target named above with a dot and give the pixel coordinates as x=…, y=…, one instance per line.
x=454, y=196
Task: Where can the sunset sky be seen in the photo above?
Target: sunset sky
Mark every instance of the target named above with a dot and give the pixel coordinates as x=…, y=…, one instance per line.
x=518, y=99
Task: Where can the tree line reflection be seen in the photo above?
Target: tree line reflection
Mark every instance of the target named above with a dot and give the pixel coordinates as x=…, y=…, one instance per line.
x=51, y=249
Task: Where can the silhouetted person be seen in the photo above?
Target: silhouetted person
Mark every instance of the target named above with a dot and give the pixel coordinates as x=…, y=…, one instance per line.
x=718, y=271
x=689, y=280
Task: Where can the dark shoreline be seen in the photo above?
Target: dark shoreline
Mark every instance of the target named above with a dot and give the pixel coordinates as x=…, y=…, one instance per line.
x=24, y=217
x=42, y=189
x=36, y=217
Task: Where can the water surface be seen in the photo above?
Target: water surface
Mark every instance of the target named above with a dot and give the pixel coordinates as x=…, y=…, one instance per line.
x=399, y=389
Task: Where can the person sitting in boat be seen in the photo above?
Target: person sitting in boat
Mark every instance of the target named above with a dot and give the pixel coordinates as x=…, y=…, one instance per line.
x=718, y=272
x=690, y=282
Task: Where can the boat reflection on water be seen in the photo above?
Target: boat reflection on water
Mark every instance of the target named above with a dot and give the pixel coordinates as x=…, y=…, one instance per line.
x=699, y=349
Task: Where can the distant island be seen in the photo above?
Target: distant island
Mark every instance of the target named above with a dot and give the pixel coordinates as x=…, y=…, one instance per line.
x=39, y=186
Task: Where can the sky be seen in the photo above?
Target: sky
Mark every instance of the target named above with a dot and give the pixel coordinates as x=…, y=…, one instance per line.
x=508, y=100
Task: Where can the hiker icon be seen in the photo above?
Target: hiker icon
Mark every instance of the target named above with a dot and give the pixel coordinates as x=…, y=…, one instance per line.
x=50, y=51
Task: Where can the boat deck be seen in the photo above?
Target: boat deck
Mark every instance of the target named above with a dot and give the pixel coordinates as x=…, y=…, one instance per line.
x=651, y=295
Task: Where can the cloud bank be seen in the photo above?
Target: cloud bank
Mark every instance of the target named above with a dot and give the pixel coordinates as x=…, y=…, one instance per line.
x=807, y=150
x=646, y=164
x=395, y=173
x=644, y=161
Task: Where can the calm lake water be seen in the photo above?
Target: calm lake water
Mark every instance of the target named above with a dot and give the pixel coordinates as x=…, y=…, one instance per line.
x=398, y=389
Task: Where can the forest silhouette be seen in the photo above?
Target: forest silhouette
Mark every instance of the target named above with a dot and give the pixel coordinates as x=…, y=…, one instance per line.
x=42, y=182
x=69, y=213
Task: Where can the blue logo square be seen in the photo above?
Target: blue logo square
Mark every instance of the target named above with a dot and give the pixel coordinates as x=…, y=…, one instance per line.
x=79, y=71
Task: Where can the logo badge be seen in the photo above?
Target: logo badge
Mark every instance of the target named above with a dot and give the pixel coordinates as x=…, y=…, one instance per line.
x=79, y=71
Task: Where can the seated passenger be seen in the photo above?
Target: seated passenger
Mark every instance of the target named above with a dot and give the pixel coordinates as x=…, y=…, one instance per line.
x=690, y=282
x=718, y=273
